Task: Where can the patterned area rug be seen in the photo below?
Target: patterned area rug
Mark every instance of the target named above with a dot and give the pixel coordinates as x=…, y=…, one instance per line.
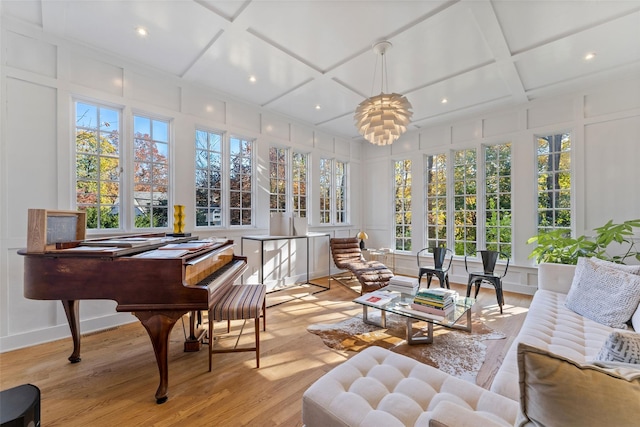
x=457, y=353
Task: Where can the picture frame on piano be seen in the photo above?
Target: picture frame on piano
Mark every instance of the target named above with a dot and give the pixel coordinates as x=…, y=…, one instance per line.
x=50, y=230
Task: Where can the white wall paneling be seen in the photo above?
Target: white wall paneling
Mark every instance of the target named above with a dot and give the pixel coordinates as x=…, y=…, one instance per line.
x=40, y=79
x=41, y=74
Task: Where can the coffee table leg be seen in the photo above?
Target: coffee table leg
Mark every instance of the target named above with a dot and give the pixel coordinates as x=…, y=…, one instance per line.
x=464, y=328
x=411, y=339
x=365, y=317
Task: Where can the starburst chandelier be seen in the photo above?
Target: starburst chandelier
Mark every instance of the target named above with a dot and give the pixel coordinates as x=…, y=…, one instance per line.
x=381, y=119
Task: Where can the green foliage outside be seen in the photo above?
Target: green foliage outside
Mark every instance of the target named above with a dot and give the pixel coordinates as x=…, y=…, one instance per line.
x=557, y=246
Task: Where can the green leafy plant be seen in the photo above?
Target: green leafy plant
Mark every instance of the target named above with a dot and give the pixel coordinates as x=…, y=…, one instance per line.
x=559, y=247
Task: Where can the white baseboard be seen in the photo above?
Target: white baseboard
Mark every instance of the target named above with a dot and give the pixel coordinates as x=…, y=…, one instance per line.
x=54, y=333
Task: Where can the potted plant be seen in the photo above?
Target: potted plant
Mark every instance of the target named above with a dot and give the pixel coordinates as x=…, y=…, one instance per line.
x=559, y=247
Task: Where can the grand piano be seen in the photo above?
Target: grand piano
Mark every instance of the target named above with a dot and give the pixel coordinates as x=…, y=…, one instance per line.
x=158, y=291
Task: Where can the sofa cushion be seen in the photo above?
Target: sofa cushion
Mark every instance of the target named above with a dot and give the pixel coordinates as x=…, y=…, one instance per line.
x=556, y=391
x=621, y=347
x=607, y=295
x=550, y=325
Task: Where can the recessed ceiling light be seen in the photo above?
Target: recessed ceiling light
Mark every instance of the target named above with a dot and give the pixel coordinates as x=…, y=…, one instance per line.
x=589, y=56
x=444, y=101
x=317, y=107
x=142, y=32
x=252, y=79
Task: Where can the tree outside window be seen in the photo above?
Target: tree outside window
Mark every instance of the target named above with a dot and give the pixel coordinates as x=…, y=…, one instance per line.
x=436, y=190
x=554, y=182
x=497, y=165
x=299, y=172
x=277, y=179
x=98, y=164
x=150, y=172
x=240, y=181
x=402, y=196
x=465, y=202
x=208, y=179
x=333, y=191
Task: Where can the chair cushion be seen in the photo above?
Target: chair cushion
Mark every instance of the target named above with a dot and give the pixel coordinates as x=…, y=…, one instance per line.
x=240, y=302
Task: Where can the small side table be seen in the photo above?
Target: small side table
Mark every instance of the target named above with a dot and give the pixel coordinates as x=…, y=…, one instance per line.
x=384, y=255
x=20, y=406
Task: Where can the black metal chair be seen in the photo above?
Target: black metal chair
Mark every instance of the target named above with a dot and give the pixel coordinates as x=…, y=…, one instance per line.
x=437, y=269
x=488, y=275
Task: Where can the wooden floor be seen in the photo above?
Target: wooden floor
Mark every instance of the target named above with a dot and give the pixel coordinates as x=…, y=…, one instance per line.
x=115, y=383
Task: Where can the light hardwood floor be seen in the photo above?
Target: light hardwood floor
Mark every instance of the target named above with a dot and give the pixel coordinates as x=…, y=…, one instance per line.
x=114, y=385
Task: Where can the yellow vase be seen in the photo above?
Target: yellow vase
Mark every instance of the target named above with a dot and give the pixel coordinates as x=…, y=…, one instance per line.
x=178, y=219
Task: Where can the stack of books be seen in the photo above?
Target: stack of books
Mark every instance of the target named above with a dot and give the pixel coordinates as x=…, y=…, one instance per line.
x=406, y=285
x=438, y=301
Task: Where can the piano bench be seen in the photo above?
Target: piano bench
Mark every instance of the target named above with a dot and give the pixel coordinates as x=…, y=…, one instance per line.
x=241, y=302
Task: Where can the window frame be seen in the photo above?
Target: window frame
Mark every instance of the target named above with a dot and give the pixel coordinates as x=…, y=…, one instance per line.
x=536, y=148
x=169, y=168
x=121, y=158
x=252, y=183
x=223, y=184
x=483, y=204
x=400, y=205
x=335, y=209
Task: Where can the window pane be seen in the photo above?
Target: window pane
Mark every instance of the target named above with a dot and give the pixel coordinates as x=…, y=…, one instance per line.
x=498, y=198
x=97, y=168
x=554, y=182
x=151, y=172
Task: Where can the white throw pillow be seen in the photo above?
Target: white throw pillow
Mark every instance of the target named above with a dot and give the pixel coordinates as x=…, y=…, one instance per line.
x=635, y=320
x=621, y=347
x=633, y=269
x=606, y=295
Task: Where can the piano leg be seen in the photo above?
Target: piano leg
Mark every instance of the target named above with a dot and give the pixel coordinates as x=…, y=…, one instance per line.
x=72, y=310
x=158, y=325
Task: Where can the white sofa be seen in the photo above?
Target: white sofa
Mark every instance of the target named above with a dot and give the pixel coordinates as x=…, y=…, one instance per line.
x=558, y=386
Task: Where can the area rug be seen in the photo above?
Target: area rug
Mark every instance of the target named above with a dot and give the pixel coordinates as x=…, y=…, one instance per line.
x=457, y=353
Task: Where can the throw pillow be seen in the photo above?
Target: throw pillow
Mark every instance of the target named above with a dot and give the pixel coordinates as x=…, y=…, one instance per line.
x=556, y=391
x=605, y=295
x=633, y=269
x=635, y=320
x=621, y=347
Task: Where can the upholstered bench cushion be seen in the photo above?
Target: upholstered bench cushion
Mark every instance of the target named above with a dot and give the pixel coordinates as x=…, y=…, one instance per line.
x=377, y=387
x=551, y=326
x=240, y=302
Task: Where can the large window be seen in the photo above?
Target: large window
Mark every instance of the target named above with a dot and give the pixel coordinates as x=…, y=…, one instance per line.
x=208, y=178
x=98, y=170
x=151, y=172
x=240, y=181
x=497, y=184
x=554, y=182
x=277, y=179
x=341, y=192
x=333, y=192
x=299, y=181
x=465, y=202
x=402, y=196
x=436, y=191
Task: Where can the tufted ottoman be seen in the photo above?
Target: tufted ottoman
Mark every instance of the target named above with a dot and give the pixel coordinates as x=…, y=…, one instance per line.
x=377, y=387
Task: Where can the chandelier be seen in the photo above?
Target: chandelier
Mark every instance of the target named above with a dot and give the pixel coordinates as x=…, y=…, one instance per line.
x=383, y=118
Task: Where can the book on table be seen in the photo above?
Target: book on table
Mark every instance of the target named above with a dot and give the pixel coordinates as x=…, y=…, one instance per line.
x=377, y=298
x=433, y=310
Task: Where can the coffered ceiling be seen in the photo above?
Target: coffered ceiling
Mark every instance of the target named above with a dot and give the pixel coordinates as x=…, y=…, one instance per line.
x=313, y=60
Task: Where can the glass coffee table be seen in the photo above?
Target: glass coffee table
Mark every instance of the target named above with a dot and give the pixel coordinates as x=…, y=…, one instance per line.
x=400, y=304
